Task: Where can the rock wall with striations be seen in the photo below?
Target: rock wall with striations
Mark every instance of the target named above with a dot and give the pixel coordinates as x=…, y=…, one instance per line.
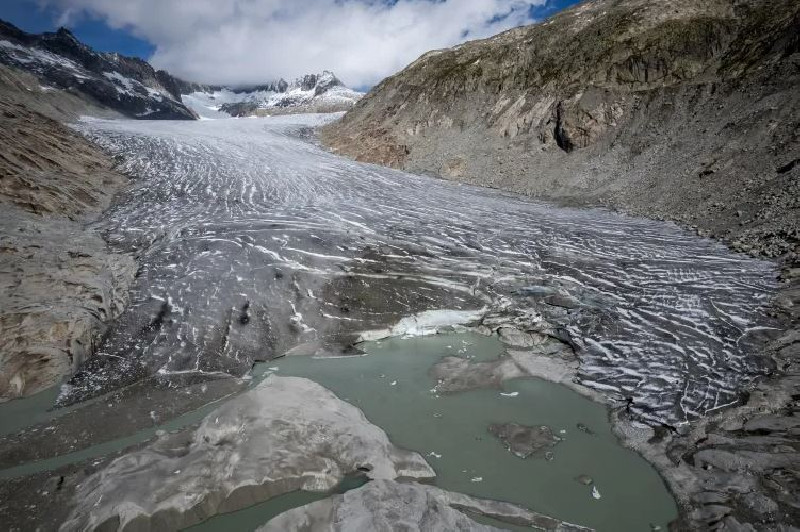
x=59, y=283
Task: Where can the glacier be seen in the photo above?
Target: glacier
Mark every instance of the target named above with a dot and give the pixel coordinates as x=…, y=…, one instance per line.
x=254, y=240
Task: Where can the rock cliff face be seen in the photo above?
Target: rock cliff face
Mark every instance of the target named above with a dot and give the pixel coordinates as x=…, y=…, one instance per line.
x=59, y=284
x=684, y=110
x=125, y=84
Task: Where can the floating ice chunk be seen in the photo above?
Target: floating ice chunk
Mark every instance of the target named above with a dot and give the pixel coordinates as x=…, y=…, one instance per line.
x=509, y=394
x=595, y=492
x=424, y=323
x=435, y=455
x=476, y=479
x=394, y=383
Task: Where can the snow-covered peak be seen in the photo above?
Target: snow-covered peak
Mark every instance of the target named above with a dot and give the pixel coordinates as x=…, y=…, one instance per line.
x=319, y=83
x=310, y=93
x=326, y=81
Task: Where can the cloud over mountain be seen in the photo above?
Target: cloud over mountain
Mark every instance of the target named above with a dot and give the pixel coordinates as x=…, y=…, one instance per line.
x=248, y=41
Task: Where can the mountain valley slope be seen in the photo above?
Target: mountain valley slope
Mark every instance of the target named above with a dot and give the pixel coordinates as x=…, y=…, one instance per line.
x=684, y=110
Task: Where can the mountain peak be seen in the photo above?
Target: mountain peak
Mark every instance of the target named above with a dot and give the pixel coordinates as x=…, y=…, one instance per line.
x=126, y=84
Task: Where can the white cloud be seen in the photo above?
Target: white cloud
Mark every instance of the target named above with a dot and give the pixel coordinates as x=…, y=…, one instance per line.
x=251, y=41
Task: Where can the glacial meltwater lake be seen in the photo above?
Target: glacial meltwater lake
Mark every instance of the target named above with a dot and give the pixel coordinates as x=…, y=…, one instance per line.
x=392, y=386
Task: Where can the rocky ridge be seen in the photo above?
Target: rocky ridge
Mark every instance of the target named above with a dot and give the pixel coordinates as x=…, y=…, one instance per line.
x=125, y=84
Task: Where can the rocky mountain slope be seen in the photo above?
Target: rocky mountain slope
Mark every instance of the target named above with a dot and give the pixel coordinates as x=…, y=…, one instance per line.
x=683, y=110
x=59, y=284
x=125, y=84
x=313, y=93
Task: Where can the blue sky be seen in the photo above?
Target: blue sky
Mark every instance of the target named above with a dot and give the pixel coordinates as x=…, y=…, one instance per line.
x=29, y=16
x=250, y=41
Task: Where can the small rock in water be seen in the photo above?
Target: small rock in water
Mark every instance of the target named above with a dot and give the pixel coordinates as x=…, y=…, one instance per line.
x=595, y=492
x=524, y=441
x=584, y=428
x=586, y=480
